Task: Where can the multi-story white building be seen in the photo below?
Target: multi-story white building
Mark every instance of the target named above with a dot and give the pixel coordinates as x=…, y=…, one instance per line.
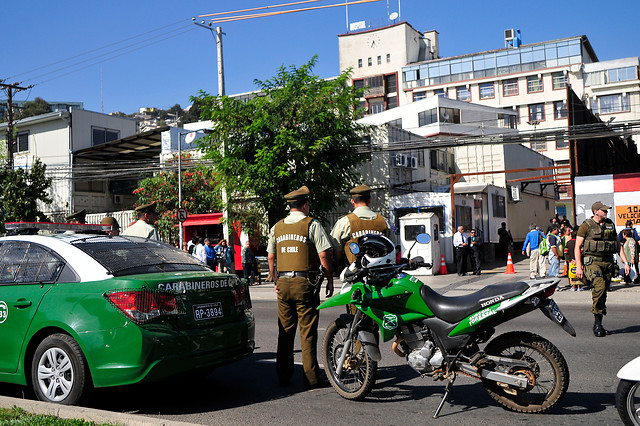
x=529, y=79
x=376, y=58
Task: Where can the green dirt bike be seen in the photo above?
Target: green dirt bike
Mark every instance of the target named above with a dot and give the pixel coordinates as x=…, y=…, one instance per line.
x=440, y=336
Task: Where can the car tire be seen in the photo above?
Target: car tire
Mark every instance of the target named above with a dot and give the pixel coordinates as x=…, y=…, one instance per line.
x=59, y=371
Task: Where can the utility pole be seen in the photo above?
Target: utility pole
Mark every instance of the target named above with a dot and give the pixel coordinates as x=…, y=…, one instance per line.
x=11, y=89
x=217, y=33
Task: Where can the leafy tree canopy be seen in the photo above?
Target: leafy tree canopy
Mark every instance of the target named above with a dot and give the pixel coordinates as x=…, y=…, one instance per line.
x=199, y=195
x=299, y=130
x=20, y=190
x=32, y=108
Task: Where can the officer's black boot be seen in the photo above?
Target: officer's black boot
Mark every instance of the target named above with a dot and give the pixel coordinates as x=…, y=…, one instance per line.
x=598, y=329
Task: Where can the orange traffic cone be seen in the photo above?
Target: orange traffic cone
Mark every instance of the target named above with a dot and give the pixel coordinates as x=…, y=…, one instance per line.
x=443, y=266
x=510, y=269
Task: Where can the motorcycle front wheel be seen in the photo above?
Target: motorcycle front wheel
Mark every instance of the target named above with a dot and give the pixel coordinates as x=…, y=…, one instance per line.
x=358, y=370
x=547, y=373
x=628, y=402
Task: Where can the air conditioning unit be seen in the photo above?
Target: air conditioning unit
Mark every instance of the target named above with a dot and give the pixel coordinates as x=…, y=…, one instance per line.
x=509, y=34
x=412, y=162
x=400, y=160
x=117, y=199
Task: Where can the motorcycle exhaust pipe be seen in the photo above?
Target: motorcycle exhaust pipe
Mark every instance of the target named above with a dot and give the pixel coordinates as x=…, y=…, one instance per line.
x=396, y=348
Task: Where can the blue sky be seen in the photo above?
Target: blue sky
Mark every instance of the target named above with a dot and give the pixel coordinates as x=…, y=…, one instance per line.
x=40, y=33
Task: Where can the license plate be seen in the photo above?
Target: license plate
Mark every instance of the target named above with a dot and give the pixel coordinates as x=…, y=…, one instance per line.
x=207, y=311
x=555, y=310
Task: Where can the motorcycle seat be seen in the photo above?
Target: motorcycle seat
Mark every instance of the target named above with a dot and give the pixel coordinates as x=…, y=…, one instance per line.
x=453, y=309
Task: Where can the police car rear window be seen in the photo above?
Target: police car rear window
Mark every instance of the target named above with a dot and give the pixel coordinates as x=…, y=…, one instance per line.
x=132, y=255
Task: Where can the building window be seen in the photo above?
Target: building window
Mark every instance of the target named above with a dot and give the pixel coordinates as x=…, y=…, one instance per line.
x=388, y=57
x=359, y=63
x=536, y=112
x=370, y=61
x=100, y=135
x=427, y=117
x=392, y=102
x=559, y=109
x=559, y=80
x=510, y=87
x=89, y=186
x=609, y=104
x=449, y=115
x=396, y=123
x=376, y=106
x=419, y=95
x=487, y=90
x=440, y=92
x=499, y=206
x=22, y=142
x=621, y=74
x=539, y=146
x=562, y=143
x=534, y=84
x=379, y=60
x=390, y=84
x=463, y=93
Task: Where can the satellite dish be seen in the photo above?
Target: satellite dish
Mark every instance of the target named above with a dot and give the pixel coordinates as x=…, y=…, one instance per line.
x=393, y=16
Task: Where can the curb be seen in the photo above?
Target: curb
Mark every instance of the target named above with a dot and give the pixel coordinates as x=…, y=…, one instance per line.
x=88, y=414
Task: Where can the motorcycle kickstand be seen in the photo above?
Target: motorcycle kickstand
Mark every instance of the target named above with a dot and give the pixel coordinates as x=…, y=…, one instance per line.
x=447, y=389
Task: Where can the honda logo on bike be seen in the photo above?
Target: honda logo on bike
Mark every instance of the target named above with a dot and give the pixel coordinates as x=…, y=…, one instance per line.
x=390, y=322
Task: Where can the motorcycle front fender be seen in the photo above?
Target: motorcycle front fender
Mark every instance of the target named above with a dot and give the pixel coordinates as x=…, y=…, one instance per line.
x=367, y=338
x=340, y=299
x=630, y=371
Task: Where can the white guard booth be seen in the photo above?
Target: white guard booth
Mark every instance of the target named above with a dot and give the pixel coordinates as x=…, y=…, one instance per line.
x=419, y=223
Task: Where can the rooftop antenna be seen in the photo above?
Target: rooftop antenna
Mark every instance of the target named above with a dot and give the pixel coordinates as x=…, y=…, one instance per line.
x=101, y=95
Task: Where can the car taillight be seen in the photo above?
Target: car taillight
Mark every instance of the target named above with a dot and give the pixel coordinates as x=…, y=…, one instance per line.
x=142, y=306
x=241, y=299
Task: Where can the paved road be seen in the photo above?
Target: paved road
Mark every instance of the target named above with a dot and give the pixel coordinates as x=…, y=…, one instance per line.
x=246, y=393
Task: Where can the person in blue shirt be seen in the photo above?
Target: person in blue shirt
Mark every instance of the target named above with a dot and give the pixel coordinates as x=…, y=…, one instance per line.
x=211, y=254
x=629, y=225
x=531, y=241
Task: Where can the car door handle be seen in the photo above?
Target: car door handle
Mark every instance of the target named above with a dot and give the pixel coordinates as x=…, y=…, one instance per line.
x=22, y=303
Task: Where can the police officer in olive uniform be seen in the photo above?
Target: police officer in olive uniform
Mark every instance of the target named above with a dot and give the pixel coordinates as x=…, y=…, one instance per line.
x=300, y=245
x=598, y=235
x=361, y=221
x=147, y=217
x=77, y=217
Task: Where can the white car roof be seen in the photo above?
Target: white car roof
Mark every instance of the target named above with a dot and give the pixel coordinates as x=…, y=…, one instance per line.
x=87, y=268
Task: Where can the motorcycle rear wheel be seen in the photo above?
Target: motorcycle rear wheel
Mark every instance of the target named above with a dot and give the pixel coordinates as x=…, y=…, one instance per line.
x=548, y=375
x=628, y=402
x=359, y=370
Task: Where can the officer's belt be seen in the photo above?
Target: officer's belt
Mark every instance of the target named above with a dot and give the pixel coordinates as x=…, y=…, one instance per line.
x=293, y=274
x=598, y=258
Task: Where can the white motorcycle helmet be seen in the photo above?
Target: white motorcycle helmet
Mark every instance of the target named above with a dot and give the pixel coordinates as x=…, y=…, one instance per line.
x=377, y=251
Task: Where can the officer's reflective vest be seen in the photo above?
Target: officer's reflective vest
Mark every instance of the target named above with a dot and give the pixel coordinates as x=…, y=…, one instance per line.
x=360, y=227
x=294, y=250
x=601, y=239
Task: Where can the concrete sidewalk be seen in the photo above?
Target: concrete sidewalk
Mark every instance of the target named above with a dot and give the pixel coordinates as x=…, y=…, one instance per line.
x=493, y=273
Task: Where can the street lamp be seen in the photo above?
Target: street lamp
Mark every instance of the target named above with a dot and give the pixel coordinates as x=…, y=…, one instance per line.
x=217, y=34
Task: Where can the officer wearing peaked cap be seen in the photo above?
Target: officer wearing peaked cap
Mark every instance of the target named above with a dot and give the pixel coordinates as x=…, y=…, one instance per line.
x=77, y=217
x=300, y=245
x=143, y=227
x=360, y=222
x=598, y=235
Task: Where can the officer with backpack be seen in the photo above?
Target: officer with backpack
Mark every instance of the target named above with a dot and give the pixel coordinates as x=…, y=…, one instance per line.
x=531, y=242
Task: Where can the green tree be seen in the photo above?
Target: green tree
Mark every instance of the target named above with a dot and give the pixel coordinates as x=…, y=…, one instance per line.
x=200, y=194
x=21, y=189
x=32, y=108
x=299, y=130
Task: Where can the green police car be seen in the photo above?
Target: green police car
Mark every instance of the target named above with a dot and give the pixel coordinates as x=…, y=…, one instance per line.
x=80, y=311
